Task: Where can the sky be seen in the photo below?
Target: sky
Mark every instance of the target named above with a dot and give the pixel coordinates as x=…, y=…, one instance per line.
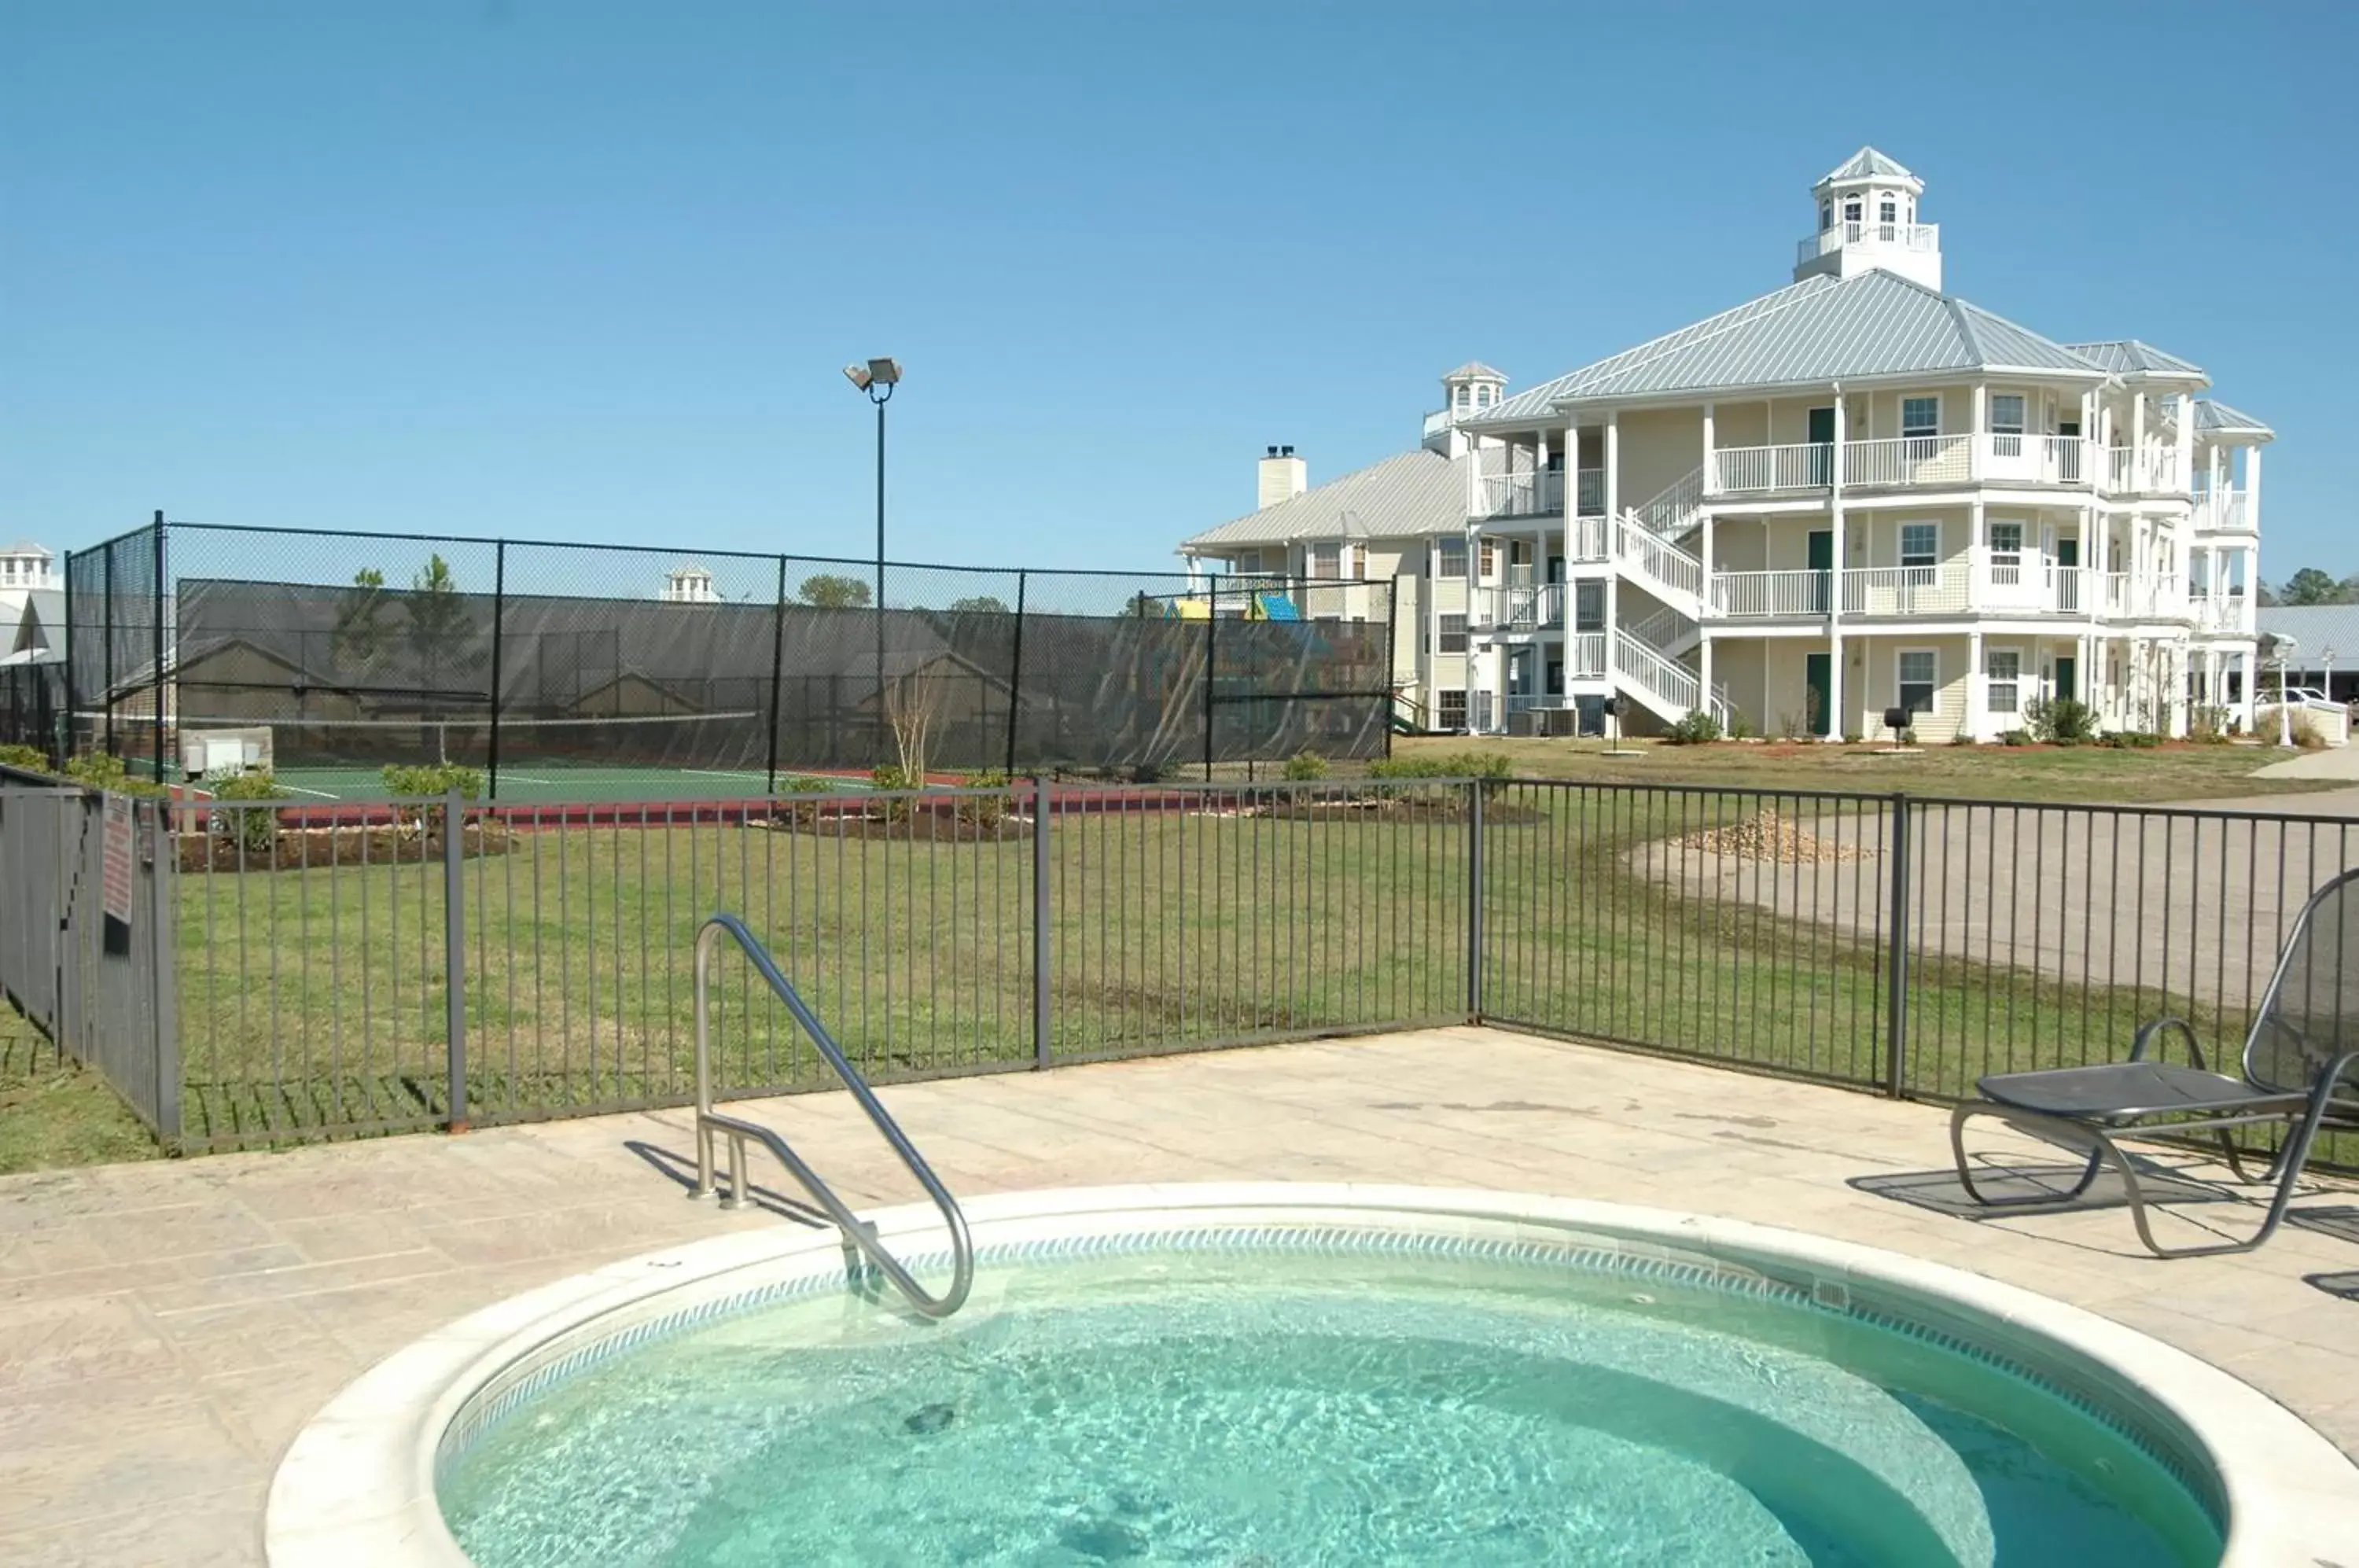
x=588, y=271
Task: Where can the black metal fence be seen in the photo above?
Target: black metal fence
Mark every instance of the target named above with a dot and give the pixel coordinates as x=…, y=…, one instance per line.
x=357, y=650
x=337, y=971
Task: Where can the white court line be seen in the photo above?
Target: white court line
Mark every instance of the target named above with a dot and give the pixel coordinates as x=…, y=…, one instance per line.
x=720, y=773
x=298, y=790
x=523, y=779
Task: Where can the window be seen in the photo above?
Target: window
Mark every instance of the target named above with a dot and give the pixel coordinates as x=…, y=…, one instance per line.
x=1919, y=672
x=1920, y=420
x=1326, y=561
x=1450, y=557
x=2006, y=544
x=1888, y=213
x=1449, y=709
x=1355, y=563
x=1920, y=544
x=1482, y=397
x=2007, y=424
x=1465, y=398
x=1248, y=562
x=1453, y=634
x=1826, y=216
x=2003, y=667
x=1488, y=565
x=1852, y=210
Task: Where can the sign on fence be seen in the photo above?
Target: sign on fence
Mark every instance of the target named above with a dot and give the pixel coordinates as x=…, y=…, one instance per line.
x=115, y=877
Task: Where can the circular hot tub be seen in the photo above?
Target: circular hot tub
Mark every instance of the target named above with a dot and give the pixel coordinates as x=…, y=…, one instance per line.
x=1284, y=1375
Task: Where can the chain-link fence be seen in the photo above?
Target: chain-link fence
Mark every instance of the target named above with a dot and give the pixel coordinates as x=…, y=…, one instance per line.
x=616, y=671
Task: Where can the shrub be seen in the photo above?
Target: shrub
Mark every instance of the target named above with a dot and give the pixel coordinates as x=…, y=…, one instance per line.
x=983, y=811
x=2210, y=724
x=1739, y=726
x=2015, y=737
x=255, y=828
x=892, y=776
x=2130, y=740
x=429, y=778
x=1908, y=734
x=1792, y=726
x=1853, y=737
x=2306, y=733
x=2065, y=720
x=1963, y=738
x=98, y=770
x=1306, y=767
x=29, y=758
x=1696, y=729
x=1153, y=771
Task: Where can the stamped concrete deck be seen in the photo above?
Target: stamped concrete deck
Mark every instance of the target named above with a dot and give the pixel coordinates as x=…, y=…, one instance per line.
x=165, y=1329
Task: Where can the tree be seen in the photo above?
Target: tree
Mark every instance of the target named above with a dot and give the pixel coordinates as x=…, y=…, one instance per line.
x=979, y=604
x=438, y=618
x=360, y=633
x=2309, y=586
x=829, y=592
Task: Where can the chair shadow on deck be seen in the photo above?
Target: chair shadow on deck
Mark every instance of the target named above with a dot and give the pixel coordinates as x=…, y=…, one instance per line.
x=681, y=1168
x=1940, y=1192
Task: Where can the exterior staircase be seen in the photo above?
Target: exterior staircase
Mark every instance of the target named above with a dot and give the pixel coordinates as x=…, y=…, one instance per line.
x=1644, y=546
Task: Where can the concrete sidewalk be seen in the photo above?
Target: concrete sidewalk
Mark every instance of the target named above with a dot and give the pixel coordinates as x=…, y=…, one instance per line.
x=165, y=1329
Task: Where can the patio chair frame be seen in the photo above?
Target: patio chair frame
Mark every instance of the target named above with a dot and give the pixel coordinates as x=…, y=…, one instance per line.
x=2252, y=1103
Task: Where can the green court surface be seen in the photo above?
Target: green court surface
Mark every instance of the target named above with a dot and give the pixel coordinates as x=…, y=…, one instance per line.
x=529, y=782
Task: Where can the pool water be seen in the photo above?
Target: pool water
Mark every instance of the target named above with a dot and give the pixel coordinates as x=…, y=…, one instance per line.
x=1277, y=1408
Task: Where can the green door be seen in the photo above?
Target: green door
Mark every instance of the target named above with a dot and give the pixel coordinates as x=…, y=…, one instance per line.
x=1822, y=446
x=1823, y=571
x=2068, y=678
x=1817, y=682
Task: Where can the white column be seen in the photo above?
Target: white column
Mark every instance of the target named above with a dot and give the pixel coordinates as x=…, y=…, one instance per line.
x=1613, y=464
x=1703, y=669
x=1564, y=591
x=2186, y=442
x=1980, y=431
x=2138, y=441
x=1709, y=477
x=1975, y=718
x=1613, y=521
x=2250, y=662
x=1711, y=564
x=1841, y=560
x=2253, y=488
x=1977, y=555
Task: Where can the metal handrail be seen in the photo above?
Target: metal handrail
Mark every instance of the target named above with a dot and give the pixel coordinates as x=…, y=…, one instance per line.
x=708, y=1122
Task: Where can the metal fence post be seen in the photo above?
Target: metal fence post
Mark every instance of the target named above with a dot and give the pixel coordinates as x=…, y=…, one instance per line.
x=164, y=1018
x=1211, y=661
x=1896, y=1023
x=61, y=744
x=1015, y=672
x=454, y=952
x=778, y=668
x=499, y=614
x=106, y=649
x=1042, y=811
x=1474, y=901
x=156, y=654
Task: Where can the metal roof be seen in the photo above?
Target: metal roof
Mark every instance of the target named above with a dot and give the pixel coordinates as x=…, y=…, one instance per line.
x=1817, y=331
x=1412, y=494
x=1866, y=164
x=2128, y=356
x=2313, y=629
x=2217, y=418
x=1475, y=370
x=27, y=547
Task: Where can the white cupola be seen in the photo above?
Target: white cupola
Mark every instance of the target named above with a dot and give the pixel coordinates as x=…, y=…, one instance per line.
x=1866, y=210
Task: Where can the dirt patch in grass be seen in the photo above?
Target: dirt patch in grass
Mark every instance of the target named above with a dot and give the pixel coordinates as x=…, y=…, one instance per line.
x=1768, y=837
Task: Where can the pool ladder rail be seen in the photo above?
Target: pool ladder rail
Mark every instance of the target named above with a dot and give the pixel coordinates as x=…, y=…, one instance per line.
x=711, y=1124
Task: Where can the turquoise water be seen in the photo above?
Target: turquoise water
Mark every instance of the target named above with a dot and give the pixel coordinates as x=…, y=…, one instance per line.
x=1276, y=1409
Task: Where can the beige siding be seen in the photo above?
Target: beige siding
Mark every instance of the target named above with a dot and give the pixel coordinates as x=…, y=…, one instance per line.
x=1658, y=448
x=1740, y=544
x=1874, y=670
x=1737, y=664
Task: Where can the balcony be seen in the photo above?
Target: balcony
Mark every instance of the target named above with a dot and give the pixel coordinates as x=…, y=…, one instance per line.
x=1902, y=462
x=1738, y=469
x=1975, y=584
x=2222, y=511
x=1539, y=495
x=2219, y=612
x=1518, y=608
x=2129, y=470
x=1873, y=236
x=1584, y=657
x=1909, y=459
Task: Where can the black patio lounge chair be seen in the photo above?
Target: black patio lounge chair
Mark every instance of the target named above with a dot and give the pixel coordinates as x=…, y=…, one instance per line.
x=2300, y=1071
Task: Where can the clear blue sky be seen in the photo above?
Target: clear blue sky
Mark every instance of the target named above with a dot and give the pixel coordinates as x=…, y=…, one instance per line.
x=587, y=271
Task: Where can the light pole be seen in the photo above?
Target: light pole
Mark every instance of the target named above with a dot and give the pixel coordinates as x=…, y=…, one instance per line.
x=2326, y=663
x=877, y=378
x=2284, y=651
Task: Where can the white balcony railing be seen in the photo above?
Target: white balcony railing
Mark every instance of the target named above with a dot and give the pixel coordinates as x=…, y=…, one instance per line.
x=2142, y=598
x=1736, y=469
x=1593, y=539
x=1519, y=495
x=1909, y=459
x=1519, y=607
x=1772, y=593
x=1651, y=554
x=2129, y=470
x=1896, y=236
x=2218, y=611
x=2222, y=511
x=1945, y=589
x=2038, y=460
x=1584, y=657
x=1672, y=683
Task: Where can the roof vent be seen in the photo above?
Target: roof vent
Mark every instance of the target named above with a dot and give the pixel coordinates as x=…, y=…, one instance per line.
x=1273, y=452
x=1286, y=451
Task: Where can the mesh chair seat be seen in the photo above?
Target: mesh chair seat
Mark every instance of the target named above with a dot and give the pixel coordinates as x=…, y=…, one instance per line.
x=2116, y=1088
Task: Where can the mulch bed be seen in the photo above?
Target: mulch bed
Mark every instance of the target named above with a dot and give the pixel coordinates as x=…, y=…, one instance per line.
x=926, y=827
x=295, y=848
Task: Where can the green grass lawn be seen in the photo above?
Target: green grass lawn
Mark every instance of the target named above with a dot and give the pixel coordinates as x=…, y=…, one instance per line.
x=53, y=1112
x=315, y=996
